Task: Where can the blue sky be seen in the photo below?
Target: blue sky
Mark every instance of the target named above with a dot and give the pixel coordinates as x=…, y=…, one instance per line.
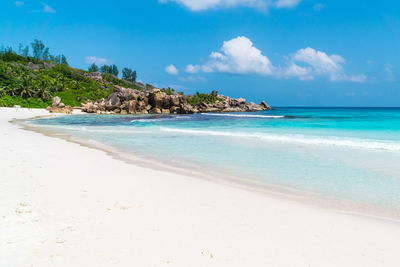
x=288, y=52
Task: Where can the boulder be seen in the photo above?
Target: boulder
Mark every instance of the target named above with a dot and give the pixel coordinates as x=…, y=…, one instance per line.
x=48, y=65
x=132, y=106
x=219, y=105
x=156, y=98
x=66, y=110
x=126, y=94
x=33, y=66
x=166, y=101
x=95, y=76
x=175, y=110
x=56, y=101
x=174, y=100
x=265, y=105
x=112, y=102
x=155, y=111
x=90, y=107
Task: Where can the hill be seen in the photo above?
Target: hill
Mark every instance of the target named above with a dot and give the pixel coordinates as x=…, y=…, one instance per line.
x=32, y=80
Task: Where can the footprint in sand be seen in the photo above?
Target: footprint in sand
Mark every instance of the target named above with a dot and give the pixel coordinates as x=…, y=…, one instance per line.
x=23, y=208
x=60, y=240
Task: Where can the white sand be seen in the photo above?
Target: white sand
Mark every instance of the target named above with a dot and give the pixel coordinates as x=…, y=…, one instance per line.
x=67, y=205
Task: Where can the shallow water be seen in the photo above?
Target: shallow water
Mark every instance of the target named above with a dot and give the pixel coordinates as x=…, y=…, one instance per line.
x=350, y=154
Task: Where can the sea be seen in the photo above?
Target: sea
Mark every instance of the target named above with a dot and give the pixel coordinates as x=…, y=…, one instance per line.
x=347, y=159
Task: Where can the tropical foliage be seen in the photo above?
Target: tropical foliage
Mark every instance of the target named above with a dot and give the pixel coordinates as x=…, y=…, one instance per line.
x=32, y=80
x=198, y=98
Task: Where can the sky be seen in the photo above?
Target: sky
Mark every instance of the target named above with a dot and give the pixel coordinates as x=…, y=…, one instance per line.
x=287, y=52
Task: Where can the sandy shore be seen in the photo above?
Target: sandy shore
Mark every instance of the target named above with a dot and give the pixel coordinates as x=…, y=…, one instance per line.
x=63, y=204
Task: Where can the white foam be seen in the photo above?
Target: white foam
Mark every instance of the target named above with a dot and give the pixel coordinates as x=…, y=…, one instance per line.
x=160, y=119
x=244, y=115
x=300, y=139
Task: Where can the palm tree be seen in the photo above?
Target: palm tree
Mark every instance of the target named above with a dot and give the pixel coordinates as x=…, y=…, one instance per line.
x=25, y=88
x=43, y=90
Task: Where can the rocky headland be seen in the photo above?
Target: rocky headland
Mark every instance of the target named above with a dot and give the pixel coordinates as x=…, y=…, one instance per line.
x=132, y=101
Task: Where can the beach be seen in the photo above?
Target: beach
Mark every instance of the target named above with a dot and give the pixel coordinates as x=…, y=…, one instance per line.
x=64, y=204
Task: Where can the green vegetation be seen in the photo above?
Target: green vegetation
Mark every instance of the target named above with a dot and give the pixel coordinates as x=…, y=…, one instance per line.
x=198, y=98
x=170, y=91
x=31, y=80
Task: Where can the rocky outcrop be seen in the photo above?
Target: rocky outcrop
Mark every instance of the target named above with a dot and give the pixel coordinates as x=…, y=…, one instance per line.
x=59, y=107
x=95, y=76
x=33, y=66
x=265, y=106
x=48, y=65
x=131, y=101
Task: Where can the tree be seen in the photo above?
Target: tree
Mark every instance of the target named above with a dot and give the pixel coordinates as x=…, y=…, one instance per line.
x=39, y=49
x=129, y=75
x=214, y=94
x=25, y=88
x=42, y=89
x=60, y=59
x=46, y=54
x=134, y=76
x=114, y=70
x=93, y=68
x=63, y=60
x=25, y=51
x=105, y=69
x=20, y=47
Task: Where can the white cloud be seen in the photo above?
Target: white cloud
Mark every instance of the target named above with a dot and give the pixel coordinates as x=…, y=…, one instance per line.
x=18, y=3
x=96, y=60
x=287, y=3
x=308, y=63
x=193, y=68
x=199, y=5
x=172, y=70
x=237, y=56
x=302, y=72
x=48, y=9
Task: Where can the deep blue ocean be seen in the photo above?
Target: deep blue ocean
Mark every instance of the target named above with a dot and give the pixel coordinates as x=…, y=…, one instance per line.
x=345, y=154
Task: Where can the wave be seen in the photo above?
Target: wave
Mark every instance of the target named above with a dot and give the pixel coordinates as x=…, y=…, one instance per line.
x=245, y=115
x=299, y=139
x=152, y=119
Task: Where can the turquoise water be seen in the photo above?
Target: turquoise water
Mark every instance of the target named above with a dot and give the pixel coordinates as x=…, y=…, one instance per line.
x=350, y=154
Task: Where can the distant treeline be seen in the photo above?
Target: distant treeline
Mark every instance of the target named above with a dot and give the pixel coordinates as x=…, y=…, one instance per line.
x=39, y=53
x=127, y=73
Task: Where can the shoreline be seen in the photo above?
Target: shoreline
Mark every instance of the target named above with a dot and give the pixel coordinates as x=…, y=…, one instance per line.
x=71, y=205
x=343, y=206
